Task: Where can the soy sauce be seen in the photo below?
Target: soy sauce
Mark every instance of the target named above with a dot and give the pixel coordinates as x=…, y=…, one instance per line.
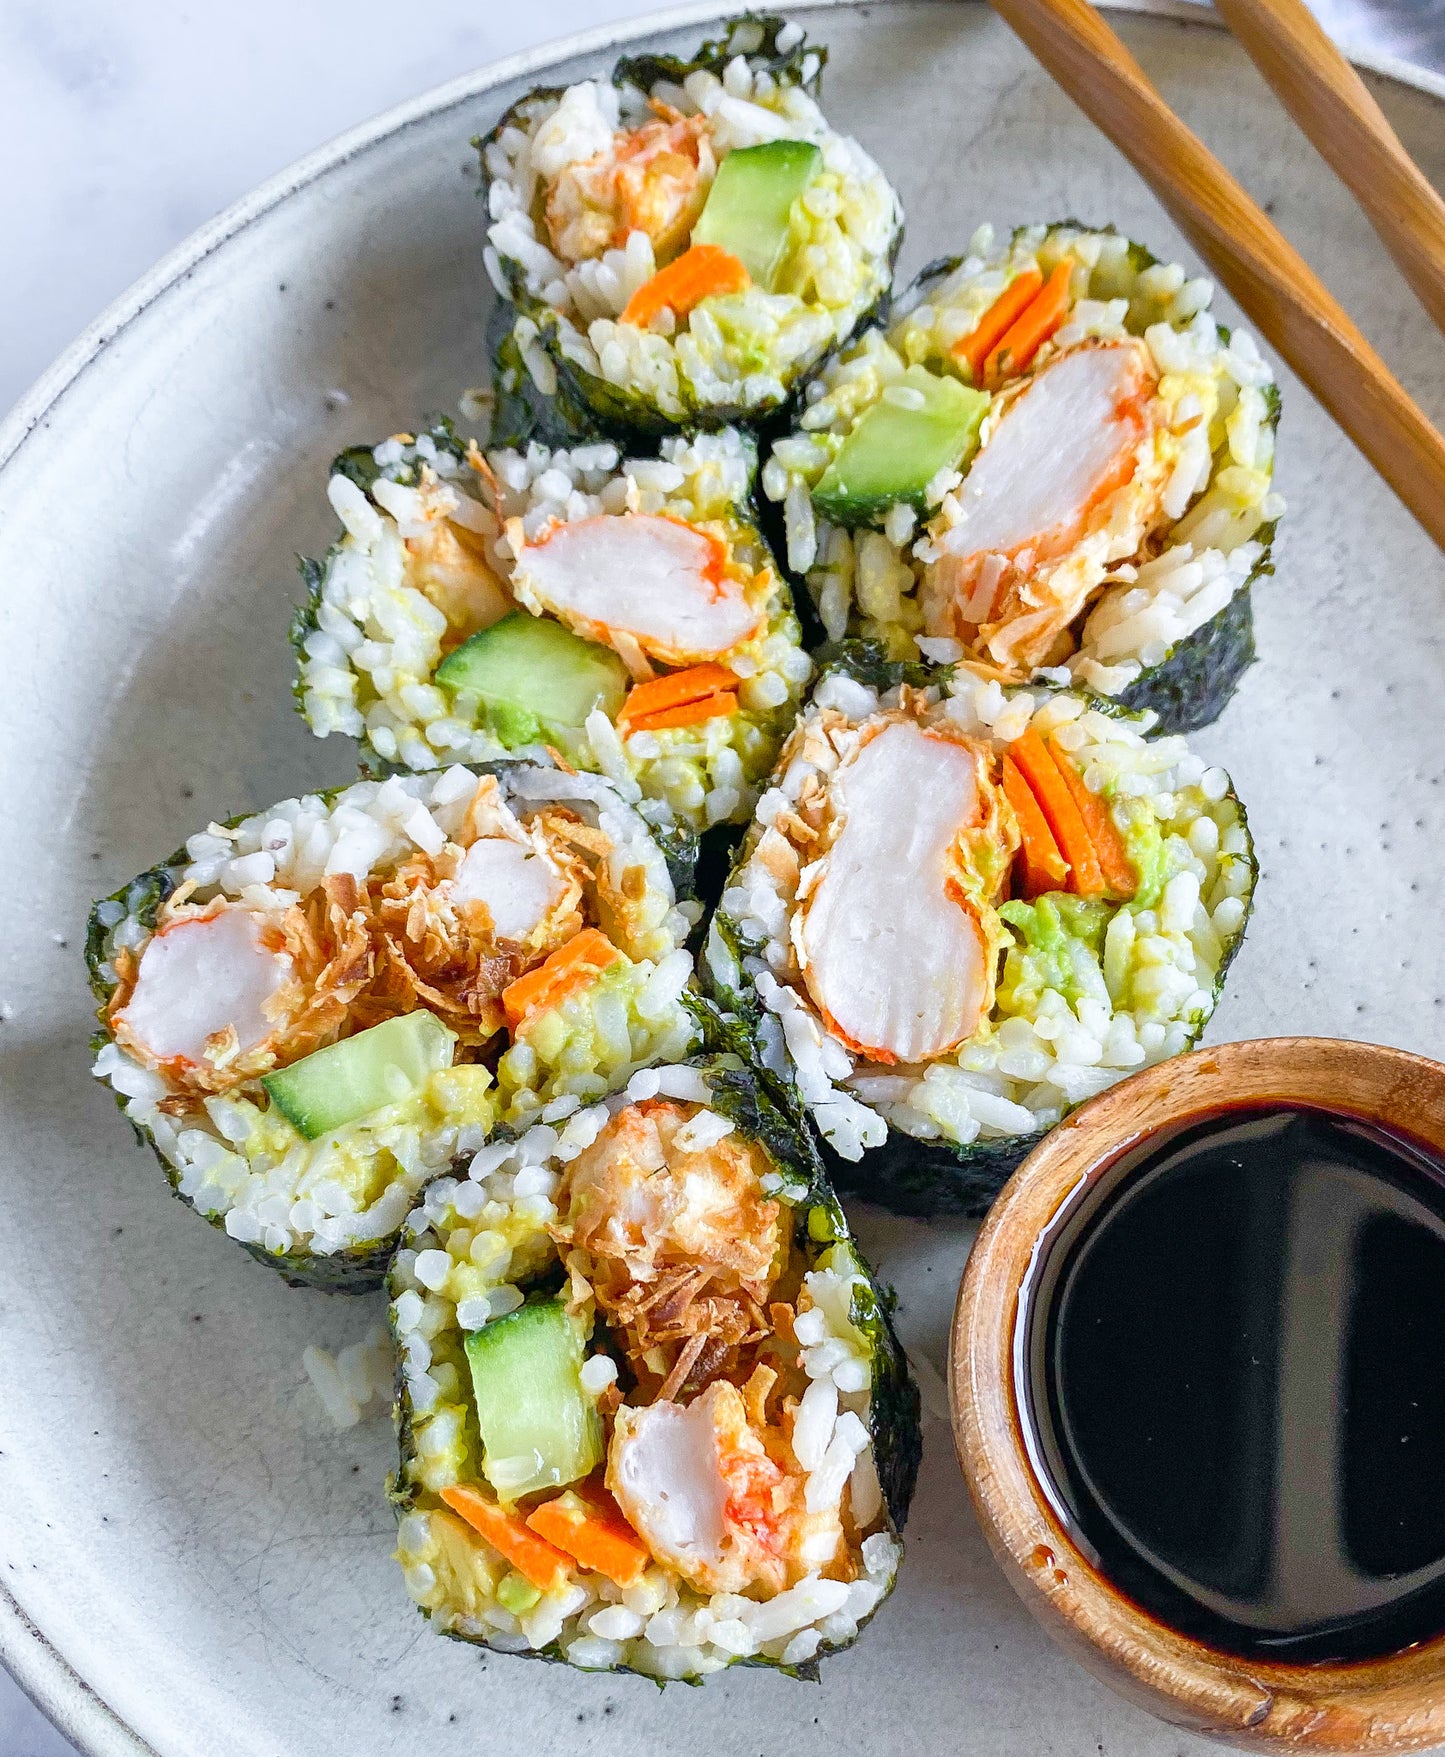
x=1233, y=1381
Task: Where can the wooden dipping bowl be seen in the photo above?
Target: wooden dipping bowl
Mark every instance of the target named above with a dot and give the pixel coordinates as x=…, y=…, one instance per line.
x=1392, y=1704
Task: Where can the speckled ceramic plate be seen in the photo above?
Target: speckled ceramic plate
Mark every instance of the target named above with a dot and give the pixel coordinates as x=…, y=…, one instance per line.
x=190, y=1561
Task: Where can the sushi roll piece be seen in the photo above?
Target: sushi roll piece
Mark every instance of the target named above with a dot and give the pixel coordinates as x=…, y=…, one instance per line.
x=961, y=910
x=652, y=1413
x=684, y=244
x=624, y=614
x=311, y=1011
x=1054, y=464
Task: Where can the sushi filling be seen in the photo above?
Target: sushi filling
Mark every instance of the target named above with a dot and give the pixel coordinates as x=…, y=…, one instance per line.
x=636, y=1407
x=326, y=1002
x=638, y=254
x=626, y=613
x=1053, y=911
x=1103, y=487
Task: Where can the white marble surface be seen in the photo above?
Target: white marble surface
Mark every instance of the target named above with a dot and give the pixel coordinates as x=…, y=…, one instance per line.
x=136, y=123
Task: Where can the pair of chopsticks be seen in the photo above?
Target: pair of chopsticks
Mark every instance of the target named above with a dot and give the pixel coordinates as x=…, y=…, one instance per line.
x=1271, y=281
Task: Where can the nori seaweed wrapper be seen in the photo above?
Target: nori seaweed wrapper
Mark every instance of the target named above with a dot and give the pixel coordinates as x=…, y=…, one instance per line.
x=584, y=404
x=761, y=1109
x=697, y=852
x=907, y=1175
x=1193, y=684
x=359, y=1268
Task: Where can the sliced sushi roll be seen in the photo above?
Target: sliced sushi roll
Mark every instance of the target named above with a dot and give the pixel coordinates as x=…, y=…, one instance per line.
x=652, y=1414
x=1052, y=463
x=961, y=910
x=624, y=614
x=311, y=1011
x=685, y=243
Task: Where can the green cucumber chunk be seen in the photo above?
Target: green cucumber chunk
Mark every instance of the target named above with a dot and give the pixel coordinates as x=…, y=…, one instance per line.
x=750, y=201
x=382, y=1066
x=534, y=676
x=895, y=450
x=539, y=1428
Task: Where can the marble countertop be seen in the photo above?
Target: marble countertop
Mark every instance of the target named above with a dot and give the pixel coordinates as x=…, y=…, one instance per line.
x=131, y=141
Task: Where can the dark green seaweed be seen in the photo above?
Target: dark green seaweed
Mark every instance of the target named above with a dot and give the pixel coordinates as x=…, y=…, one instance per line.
x=697, y=860
x=521, y=415
x=1193, y=684
x=362, y=1269
x=906, y=1175
x=927, y=1179
x=358, y=464
x=584, y=404
x=760, y=29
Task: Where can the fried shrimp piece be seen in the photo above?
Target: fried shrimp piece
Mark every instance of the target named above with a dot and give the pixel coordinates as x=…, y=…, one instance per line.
x=679, y=1243
x=654, y=179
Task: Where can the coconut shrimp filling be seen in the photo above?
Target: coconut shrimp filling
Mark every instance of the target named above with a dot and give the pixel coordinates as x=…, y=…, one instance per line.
x=207, y=988
x=729, y=1506
x=453, y=906
x=595, y=194
x=1088, y=987
x=654, y=563
x=1118, y=494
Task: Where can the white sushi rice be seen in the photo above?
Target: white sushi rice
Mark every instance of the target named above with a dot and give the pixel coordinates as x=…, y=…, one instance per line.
x=239, y=1162
x=368, y=660
x=1146, y=999
x=1219, y=495
x=462, y=1251
x=571, y=312
x=355, y=1382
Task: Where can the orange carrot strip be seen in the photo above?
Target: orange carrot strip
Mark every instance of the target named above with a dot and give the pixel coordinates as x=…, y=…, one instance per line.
x=1120, y=879
x=531, y=1556
x=675, y=690
x=594, y=1531
x=701, y=271
x=1044, y=868
x=708, y=708
x=569, y=968
x=1036, y=764
x=994, y=325
x=1033, y=326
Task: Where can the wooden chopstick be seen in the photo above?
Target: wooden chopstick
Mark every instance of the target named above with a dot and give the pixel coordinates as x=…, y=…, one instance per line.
x=1272, y=282
x=1329, y=100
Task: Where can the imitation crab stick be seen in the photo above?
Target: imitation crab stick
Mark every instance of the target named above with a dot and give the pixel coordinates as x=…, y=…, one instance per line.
x=994, y=325
x=1044, y=868
x=1120, y=879
x=1038, y=767
x=699, y=273
x=532, y=1556
x=594, y=1532
x=1033, y=326
x=679, y=699
x=569, y=968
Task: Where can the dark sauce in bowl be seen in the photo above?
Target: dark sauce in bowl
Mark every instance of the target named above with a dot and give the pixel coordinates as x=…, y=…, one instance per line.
x=1232, y=1382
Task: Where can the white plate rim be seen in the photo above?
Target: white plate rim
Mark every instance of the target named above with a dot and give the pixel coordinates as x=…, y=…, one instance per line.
x=26, y=1652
